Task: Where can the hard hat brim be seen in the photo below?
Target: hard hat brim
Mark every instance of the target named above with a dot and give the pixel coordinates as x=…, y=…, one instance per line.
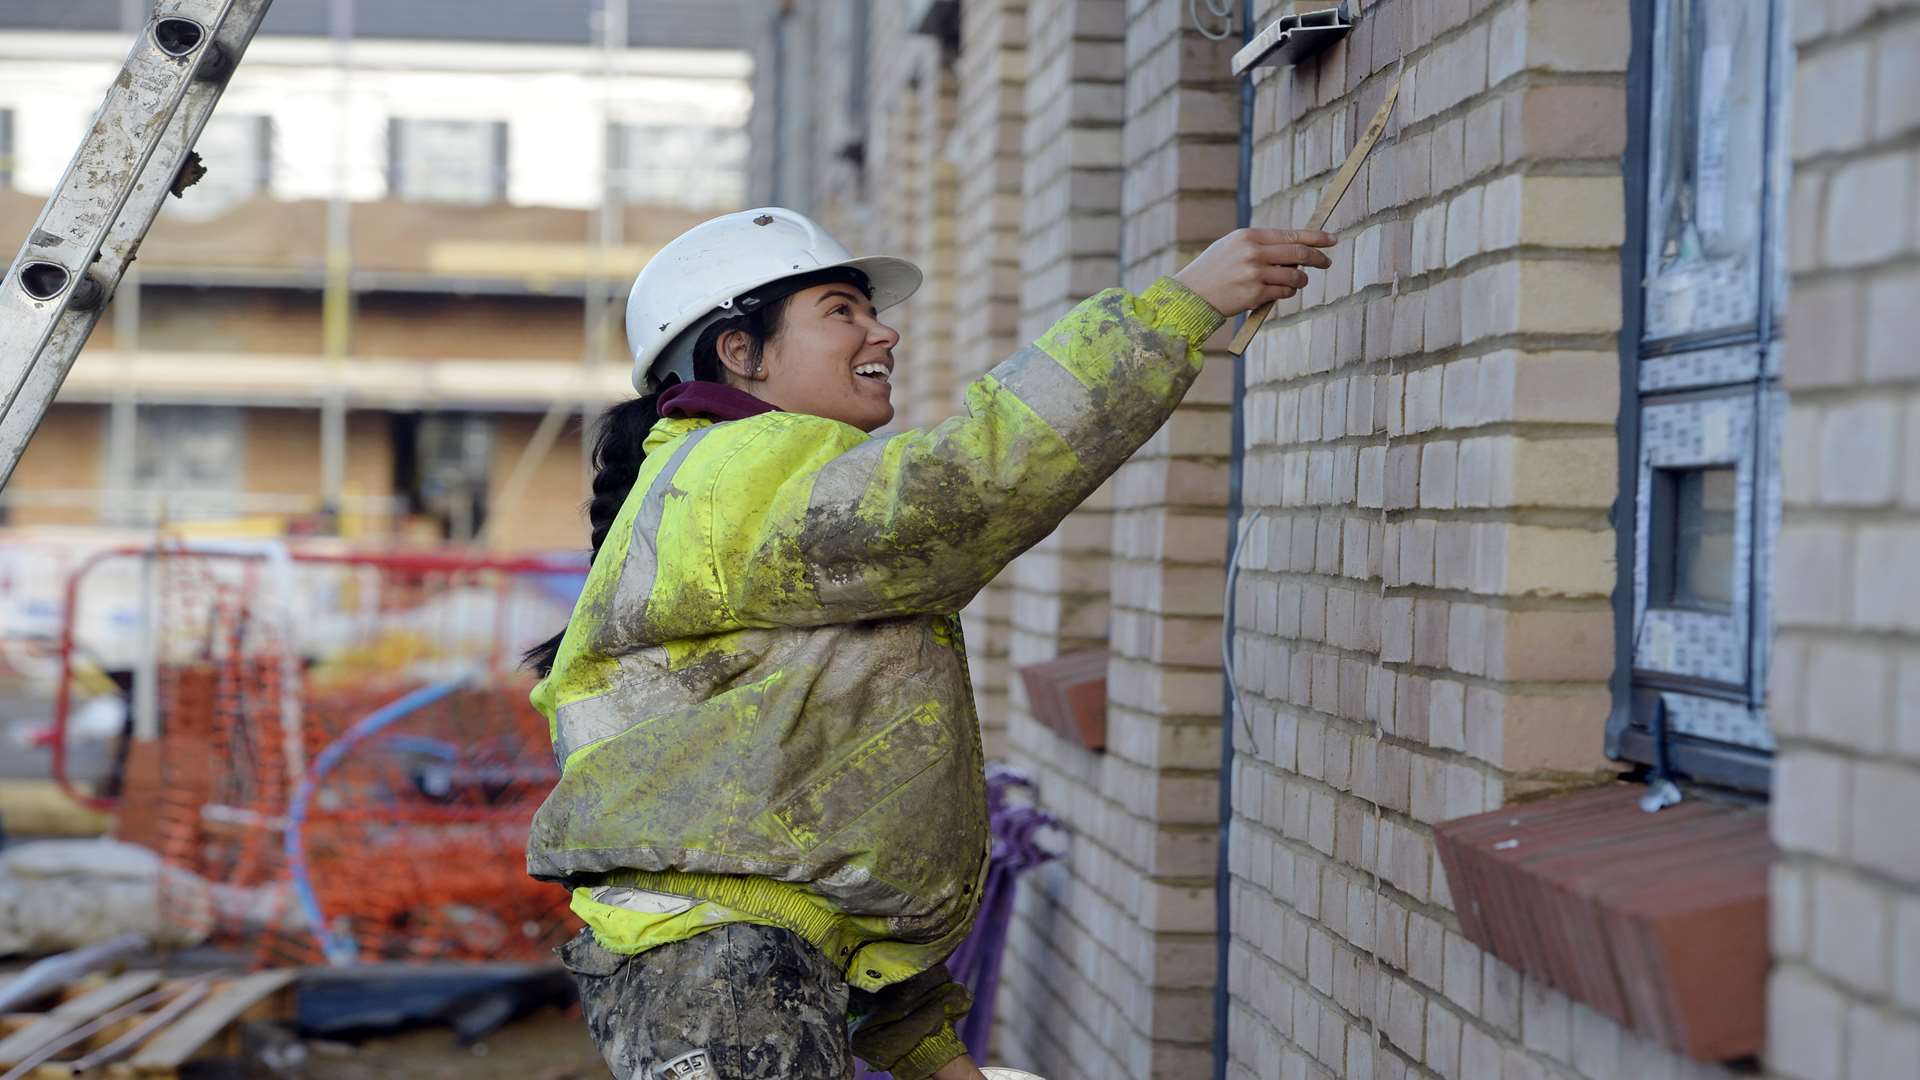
x=893, y=280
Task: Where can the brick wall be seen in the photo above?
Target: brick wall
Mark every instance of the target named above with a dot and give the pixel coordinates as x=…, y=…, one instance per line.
x=1422, y=624
x=1845, y=993
x=1132, y=130
x=1423, y=628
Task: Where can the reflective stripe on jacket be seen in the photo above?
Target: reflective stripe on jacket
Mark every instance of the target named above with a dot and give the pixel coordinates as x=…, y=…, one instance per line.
x=763, y=681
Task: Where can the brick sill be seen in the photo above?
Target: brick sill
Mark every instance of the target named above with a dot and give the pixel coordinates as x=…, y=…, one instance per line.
x=1069, y=695
x=1656, y=920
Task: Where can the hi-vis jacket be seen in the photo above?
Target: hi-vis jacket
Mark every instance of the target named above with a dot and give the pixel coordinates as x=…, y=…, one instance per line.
x=763, y=693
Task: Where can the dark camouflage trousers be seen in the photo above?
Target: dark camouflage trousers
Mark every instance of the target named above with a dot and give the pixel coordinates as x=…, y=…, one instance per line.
x=739, y=1002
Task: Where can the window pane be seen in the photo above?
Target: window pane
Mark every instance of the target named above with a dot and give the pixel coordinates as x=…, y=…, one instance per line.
x=454, y=161
x=1699, y=511
x=1708, y=143
x=191, y=454
x=700, y=168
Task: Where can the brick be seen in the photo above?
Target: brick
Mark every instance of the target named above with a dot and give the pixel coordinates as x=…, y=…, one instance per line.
x=1816, y=592
x=1830, y=358
x=1892, y=327
x=1850, y=683
x=1906, y=951
x=1546, y=1020
x=1896, y=90
x=1437, y=469
x=1573, y=35
x=1443, y=1041
x=1852, y=932
x=1463, y=226
x=1804, y=1025
x=1564, y=121
x=1536, y=560
x=1551, y=386
x=1500, y=996
x=1885, y=802
x=1810, y=804
x=1429, y=238
x=1857, y=454
x=1572, y=211
x=1447, y=716
x=1449, y=164
x=1430, y=620
x=1442, y=327
x=1500, y=213
x=1481, y=139
x=1868, y=215
x=1479, y=1053
x=1906, y=707
x=1788, y=904
x=1461, y=975
x=1828, y=91
x=1596, y=1043
x=1406, y=1018
x=1453, y=556
x=1577, y=472
x=1880, y=1044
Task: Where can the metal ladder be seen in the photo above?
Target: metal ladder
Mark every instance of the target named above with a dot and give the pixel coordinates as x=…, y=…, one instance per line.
x=92, y=225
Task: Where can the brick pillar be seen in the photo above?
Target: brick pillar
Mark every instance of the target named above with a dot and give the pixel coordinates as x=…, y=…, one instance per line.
x=985, y=149
x=931, y=99
x=1844, y=998
x=1070, y=240
x=1131, y=171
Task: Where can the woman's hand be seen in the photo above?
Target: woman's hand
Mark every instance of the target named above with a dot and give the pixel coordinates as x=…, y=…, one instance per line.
x=1249, y=267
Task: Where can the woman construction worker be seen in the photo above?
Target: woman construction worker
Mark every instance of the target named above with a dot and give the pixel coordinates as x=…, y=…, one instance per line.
x=772, y=807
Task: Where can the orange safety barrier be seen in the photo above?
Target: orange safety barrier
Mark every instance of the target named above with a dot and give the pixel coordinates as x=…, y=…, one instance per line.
x=318, y=821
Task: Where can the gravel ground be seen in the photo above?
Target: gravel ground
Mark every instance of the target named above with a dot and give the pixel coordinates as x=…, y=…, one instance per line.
x=548, y=1045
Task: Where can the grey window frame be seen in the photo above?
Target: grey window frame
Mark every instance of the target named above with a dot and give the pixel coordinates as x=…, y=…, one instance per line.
x=1661, y=709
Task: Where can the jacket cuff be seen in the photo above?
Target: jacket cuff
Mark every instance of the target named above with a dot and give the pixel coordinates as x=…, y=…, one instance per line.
x=934, y=1051
x=1175, y=307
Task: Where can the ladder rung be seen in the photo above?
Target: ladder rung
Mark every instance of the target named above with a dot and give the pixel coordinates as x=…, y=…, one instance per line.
x=94, y=221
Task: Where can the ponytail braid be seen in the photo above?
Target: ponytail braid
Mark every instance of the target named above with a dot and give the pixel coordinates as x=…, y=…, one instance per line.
x=618, y=452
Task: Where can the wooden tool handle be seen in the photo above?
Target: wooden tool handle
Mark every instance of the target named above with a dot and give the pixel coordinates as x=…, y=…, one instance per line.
x=1244, y=336
x=1329, y=198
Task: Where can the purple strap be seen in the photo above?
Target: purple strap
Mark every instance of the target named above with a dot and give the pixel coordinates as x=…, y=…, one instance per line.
x=976, y=963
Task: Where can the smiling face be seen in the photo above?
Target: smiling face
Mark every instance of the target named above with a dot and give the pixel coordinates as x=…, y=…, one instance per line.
x=832, y=357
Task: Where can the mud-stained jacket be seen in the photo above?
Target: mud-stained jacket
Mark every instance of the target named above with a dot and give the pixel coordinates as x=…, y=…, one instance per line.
x=764, y=682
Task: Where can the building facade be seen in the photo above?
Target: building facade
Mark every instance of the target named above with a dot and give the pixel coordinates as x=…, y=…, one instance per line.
x=1593, y=456
x=395, y=292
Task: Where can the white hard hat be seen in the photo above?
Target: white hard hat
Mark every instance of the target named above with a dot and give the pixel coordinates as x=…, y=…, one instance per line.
x=696, y=278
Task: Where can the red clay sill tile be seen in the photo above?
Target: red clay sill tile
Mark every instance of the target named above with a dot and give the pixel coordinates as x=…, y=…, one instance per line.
x=1656, y=920
x=1069, y=695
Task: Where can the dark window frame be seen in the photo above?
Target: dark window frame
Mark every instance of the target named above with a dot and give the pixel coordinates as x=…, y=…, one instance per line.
x=1637, y=728
x=6, y=150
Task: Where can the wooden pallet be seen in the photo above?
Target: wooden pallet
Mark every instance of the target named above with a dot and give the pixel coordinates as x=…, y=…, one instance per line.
x=155, y=1024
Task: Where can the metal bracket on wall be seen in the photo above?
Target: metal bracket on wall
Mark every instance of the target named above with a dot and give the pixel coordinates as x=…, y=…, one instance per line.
x=1307, y=29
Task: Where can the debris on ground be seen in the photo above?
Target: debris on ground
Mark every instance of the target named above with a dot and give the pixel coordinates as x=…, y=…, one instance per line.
x=67, y=894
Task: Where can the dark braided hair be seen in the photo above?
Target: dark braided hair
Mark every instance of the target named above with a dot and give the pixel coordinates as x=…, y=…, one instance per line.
x=619, y=440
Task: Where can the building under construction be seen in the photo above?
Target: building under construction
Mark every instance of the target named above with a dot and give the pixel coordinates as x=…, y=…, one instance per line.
x=374, y=312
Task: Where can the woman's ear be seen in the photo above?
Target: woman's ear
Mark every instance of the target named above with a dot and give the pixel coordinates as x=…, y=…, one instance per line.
x=736, y=355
